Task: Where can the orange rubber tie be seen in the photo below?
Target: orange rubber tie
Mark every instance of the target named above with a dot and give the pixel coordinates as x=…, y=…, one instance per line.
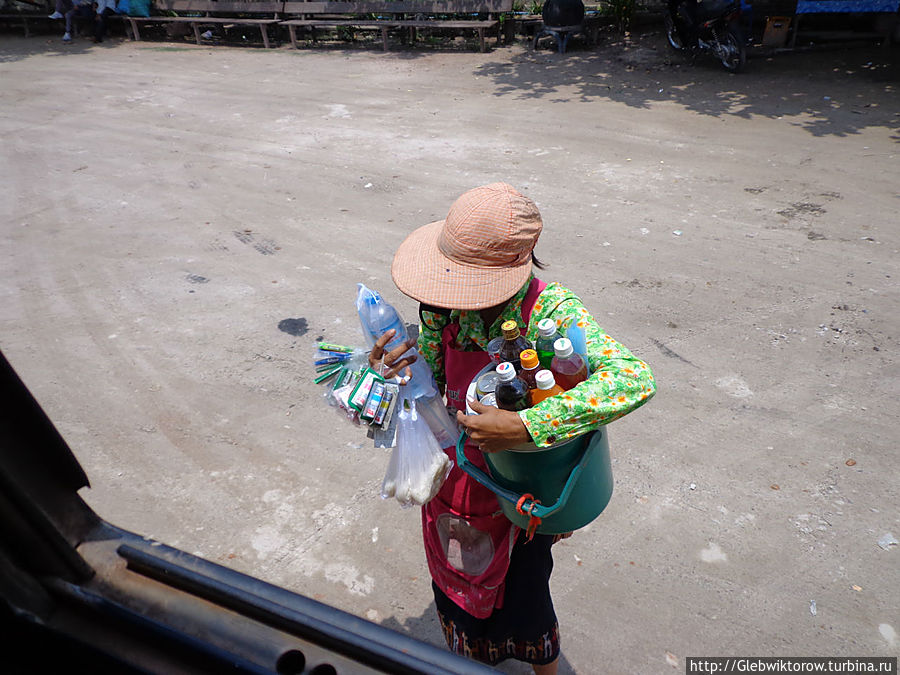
x=521, y=501
x=533, y=520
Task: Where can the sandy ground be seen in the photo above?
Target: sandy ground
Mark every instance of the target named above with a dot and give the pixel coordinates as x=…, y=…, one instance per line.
x=181, y=224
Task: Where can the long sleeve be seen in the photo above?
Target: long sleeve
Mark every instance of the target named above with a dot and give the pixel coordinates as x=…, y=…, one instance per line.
x=618, y=382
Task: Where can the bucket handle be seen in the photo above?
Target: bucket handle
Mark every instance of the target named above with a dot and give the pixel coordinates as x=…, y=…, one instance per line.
x=527, y=505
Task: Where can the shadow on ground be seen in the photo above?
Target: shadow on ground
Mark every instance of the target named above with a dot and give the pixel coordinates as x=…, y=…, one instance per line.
x=832, y=92
x=16, y=47
x=427, y=628
x=837, y=92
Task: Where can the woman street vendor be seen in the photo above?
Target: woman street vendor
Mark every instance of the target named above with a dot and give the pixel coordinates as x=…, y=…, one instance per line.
x=471, y=272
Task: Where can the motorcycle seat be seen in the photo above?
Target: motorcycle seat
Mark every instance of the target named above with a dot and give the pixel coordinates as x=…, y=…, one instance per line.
x=710, y=9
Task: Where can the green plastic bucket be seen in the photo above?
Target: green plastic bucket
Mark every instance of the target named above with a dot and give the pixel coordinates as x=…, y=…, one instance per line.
x=570, y=483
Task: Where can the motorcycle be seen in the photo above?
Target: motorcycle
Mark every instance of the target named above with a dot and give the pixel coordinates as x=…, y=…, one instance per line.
x=710, y=26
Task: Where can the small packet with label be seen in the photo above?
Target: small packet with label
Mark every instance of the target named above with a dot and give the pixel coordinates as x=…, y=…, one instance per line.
x=373, y=403
x=384, y=427
x=360, y=394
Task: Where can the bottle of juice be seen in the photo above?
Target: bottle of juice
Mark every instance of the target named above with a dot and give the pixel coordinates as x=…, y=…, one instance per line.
x=530, y=367
x=511, y=391
x=546, y=387
x=514, y=343
x=547, y=335
x=568, y=367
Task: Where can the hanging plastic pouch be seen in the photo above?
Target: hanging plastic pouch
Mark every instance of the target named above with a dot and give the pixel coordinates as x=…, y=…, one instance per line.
x=418, y=467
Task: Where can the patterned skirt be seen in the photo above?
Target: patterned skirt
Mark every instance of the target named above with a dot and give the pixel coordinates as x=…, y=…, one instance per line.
x=525, y=628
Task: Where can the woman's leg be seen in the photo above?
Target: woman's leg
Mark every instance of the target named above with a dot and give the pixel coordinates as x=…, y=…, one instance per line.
x=547, y=668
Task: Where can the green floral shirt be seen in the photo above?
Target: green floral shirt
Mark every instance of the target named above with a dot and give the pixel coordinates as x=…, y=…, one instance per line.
x=618, y=383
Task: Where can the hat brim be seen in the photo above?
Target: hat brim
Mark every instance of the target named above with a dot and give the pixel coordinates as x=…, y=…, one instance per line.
x=425, y=274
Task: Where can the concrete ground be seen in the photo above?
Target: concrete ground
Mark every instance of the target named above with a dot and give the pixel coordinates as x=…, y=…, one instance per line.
x=181, y=224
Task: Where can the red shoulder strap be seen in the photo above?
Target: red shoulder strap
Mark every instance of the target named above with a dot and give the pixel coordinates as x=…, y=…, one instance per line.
x=534, y=290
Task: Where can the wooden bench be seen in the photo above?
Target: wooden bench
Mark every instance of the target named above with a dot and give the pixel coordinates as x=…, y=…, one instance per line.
x=198, y=13
x=22, y=19
x=38, y=12
x=411, y=16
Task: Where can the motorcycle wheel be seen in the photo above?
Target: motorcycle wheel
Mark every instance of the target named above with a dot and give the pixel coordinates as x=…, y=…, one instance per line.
x=672, y=33
x=733, y=52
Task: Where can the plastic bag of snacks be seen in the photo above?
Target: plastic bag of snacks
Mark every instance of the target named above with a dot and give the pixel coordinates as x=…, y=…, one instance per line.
x=418, y=467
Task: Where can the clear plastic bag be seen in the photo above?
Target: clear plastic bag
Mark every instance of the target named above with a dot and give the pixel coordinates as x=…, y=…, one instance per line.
x=441, y=423
x=418, y=467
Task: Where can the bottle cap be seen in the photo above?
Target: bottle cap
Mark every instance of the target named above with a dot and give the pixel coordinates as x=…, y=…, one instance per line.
x=546, y=327
x=544, y=379
x=562, y=348
x=506, y=371
x=510, y=329
x=529, y=359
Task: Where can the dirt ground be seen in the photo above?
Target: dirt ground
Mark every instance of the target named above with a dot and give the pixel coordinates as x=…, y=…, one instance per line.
x=180, y=224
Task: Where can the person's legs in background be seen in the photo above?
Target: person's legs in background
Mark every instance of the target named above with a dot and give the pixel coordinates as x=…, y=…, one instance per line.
x=101, y=24
x=70, y=17
x=79, y=12
x=60, y=9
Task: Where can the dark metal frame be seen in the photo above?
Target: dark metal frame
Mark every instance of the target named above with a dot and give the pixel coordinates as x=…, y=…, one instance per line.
x=78, y=594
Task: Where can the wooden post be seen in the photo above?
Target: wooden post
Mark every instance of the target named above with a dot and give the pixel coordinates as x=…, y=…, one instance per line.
x=293, y=36
x=265, y=34
x=196, y=32
x=796, y=28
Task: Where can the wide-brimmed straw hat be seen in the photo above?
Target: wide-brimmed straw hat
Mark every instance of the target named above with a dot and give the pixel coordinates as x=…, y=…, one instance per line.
x=477, y=257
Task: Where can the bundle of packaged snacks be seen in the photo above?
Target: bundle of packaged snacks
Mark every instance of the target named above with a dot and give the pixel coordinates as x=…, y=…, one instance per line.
x=360, y=392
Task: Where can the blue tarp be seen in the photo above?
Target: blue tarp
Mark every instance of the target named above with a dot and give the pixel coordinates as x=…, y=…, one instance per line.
x=846, y=6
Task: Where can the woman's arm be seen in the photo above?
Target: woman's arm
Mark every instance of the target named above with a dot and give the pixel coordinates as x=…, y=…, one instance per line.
x=619, y=383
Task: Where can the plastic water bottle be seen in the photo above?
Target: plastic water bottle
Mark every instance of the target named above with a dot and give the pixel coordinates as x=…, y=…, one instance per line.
x=377, y=317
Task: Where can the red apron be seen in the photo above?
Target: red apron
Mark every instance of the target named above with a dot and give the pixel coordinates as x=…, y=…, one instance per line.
x=468, y=540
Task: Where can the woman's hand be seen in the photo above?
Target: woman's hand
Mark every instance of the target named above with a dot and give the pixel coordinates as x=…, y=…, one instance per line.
x=390, y=364
x=493, y=429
